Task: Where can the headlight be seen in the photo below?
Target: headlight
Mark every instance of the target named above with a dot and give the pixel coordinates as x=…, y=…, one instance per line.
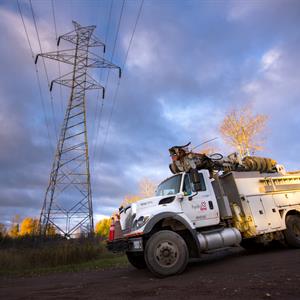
x=140, y=222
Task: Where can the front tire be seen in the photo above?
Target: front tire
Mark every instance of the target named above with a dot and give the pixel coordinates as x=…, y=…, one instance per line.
x=166, y=253
x=292, y=232
x=136, y=259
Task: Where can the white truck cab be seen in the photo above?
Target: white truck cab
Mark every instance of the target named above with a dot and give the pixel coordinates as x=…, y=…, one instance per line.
x=176, y=195
x=194, y=213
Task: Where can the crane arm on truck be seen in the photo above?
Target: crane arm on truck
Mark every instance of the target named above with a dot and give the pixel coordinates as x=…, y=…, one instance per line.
x=183, y=160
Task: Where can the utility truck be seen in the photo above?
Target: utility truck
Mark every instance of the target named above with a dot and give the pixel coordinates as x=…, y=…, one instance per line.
x=210, y=203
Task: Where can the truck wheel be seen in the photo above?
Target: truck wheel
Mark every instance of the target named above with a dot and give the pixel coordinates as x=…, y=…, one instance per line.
x=292, y=232
x=136, y=259
x=166, y=253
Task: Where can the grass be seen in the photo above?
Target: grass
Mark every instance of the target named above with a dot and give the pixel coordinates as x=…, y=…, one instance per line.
x=25, y=258
x=98, y=264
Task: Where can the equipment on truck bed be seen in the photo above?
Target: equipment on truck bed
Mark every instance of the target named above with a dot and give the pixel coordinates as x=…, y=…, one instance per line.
x=183, y=160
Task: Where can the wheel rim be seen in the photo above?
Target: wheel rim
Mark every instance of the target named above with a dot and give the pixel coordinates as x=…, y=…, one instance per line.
x=166, y=254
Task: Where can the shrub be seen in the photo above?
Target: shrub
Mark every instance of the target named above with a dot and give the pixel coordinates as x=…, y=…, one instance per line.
x=29, y=252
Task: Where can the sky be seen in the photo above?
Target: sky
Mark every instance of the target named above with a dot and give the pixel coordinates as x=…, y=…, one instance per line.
x=190, y=63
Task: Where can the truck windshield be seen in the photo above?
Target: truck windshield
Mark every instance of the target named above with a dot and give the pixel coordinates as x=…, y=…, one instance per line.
x=170, y=186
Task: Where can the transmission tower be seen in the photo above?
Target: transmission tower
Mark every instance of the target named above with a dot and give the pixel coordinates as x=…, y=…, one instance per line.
x=68, y=200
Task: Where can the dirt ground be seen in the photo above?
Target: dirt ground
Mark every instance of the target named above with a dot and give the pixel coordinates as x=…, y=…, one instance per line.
x=268, y=274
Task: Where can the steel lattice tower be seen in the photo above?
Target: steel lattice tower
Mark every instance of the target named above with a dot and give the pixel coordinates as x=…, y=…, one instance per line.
x=68, y=200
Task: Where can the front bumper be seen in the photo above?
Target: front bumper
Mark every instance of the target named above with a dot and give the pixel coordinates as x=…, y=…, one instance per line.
x=124, y=245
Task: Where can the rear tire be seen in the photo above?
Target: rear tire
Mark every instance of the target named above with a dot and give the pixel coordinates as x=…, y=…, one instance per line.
x=136, y=259
x=292, y=232
x=166, y=253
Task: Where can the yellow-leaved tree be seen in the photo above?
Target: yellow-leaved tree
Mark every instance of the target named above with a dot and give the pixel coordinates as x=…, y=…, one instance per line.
x=146, y=189
x=29, y=226
x=102, y=227
x=14, y=227
x=242, y=130
x=130, y=199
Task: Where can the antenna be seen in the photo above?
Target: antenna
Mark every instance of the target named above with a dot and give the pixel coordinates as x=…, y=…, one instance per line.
x=208, y=141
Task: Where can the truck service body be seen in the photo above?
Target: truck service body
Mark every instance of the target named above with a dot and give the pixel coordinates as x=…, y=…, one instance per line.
x=198, y=212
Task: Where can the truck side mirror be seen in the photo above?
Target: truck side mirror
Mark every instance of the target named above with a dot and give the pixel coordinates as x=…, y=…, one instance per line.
x=195, y=179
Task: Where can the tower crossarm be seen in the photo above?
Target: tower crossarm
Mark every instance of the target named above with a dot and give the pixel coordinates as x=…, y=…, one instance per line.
x=68, y=57
x=88, y=84
x=95, y=42
x=65, y=56
x=95, y=61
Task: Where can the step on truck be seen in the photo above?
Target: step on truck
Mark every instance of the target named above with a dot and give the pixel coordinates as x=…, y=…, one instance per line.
x=209, y=204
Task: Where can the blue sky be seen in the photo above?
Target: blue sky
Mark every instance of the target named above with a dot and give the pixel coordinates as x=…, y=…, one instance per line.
x=189, y=64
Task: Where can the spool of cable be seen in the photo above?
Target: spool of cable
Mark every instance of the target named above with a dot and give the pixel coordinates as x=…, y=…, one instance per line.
x=261, y=164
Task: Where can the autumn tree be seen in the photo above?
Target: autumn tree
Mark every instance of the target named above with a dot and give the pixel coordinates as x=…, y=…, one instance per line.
x=14, y=227
x=146, y=188
x=29, y=226
x=130, y=199
x=242, y=130
x=51, y=230
x=3, y=230
x=102, y=227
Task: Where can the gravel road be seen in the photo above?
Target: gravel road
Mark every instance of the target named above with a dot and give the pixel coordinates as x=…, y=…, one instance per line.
x=268, y=274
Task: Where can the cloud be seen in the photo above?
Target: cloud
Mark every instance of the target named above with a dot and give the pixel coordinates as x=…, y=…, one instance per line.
x=143, y=54
x=194, y=118
x=9, y=19
x=99, y=217
x=275, y=91
x=270, y=59
x=240, y=10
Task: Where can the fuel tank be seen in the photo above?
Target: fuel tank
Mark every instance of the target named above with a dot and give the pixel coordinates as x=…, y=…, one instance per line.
x=219, y=239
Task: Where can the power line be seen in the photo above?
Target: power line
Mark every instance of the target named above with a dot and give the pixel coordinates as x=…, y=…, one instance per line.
x=99, y=117
x=116, y=38
x=37, y=76
x=109, y=18
x=112, y=56
x=45, y=68
x=123, y=68
x=56, y=38
x=54, y=19
x=133, y=33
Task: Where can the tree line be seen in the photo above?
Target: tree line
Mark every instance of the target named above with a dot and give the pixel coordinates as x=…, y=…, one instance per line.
x=22, y=228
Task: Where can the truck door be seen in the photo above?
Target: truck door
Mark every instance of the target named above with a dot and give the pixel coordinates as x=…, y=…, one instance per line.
x=200, y=207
